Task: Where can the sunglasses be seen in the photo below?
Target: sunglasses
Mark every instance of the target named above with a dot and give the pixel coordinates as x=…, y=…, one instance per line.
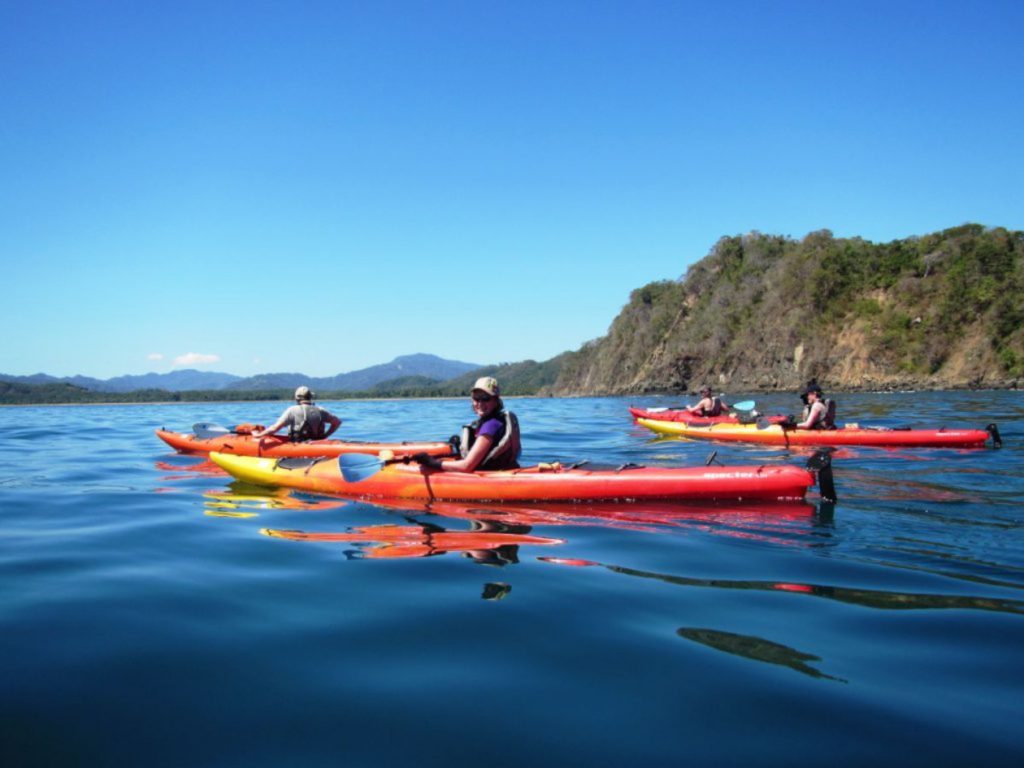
x=482, y=398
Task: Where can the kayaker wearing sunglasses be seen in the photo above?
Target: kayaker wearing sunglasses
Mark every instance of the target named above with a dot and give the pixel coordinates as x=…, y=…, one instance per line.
x=490, y=442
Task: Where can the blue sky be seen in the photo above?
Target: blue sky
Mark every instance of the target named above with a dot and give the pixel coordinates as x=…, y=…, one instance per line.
x=321, y=186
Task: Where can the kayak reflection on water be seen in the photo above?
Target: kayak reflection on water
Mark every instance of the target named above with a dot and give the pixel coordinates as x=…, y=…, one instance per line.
x=496, y=533
x=489, y=544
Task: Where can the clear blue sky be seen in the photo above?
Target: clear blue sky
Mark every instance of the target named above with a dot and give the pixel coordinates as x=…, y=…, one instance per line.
x=321, y=186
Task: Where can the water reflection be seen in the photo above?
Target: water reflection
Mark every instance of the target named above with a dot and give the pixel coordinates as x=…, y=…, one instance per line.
x=764, y=521
x=186, y=470
x=756, y=648
x=867, y=598
x=240, y=498
x=495, y=590
x=486, y=542
x=496, y=531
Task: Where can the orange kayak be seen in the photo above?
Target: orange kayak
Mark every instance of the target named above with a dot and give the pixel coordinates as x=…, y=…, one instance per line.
x=281, y=447
x=376, y=478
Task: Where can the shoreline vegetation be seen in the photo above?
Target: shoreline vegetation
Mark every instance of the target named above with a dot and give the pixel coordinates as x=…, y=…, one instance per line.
x=285, y=396
x=758, y=314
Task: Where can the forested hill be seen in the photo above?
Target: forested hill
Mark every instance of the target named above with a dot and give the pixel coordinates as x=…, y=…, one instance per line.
x=760, y=312
x=763, y=312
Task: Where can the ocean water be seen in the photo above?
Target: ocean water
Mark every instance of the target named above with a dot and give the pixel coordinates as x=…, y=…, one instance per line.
x=153, y=612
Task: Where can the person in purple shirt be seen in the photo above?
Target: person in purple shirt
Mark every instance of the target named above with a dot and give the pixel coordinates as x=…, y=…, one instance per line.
x=490, y=442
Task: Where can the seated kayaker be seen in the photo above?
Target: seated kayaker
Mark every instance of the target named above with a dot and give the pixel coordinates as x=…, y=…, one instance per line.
x=819, y=412
x=709, y=405
x=305, y=421
x=490, y=442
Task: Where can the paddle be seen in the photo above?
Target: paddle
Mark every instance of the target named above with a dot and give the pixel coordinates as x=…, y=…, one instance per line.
x=788, y=424
x=764, y=422
x=356, y=467
x=997, y=439
x=206, y=431
x=821, y=464
x=743, y=405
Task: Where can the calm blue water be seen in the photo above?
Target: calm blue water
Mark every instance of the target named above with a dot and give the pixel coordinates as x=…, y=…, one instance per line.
x=145, y=619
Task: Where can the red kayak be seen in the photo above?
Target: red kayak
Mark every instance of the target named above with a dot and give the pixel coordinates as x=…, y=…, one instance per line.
x=680, y=415
x=278, y=446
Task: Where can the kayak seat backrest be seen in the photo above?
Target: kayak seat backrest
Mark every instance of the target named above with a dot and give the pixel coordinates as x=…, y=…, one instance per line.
x=297, y=462
x=829, y=422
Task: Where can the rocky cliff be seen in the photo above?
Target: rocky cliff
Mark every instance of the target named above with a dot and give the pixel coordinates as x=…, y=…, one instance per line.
x=763, y=312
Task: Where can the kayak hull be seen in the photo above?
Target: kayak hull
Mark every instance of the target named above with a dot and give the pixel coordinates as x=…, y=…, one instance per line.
x=281, y=447
x=776, y=435
x=554, y=484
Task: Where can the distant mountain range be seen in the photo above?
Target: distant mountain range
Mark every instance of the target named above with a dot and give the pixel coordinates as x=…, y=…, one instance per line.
x=421, y=366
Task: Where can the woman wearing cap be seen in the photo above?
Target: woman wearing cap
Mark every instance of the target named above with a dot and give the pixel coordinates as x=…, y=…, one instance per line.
x=490, y=442
x=709, y=405
x=305, y=421
x=819, y=413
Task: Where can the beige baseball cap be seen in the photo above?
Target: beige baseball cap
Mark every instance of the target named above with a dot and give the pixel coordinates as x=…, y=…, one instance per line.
x=487, y=384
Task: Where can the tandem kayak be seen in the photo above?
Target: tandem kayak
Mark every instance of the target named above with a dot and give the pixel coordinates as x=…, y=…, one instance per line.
x=281, y=447
x=678, y=414
x=357, y=476
x=847, y=435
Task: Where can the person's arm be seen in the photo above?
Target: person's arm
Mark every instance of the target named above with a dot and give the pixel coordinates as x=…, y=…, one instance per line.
x=334, y=422
x=481, y=447
x=702, y=406
x=281, y=421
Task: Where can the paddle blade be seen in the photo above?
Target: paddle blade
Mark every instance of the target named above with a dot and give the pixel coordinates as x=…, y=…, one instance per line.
x=205, y=431
x=822, y=458
x=745, y=405
x=356, y=467
x=993, y=430
x=821, y=464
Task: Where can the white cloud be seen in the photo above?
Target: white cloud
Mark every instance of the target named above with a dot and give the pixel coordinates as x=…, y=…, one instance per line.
x=154, y=356
x=196, y=358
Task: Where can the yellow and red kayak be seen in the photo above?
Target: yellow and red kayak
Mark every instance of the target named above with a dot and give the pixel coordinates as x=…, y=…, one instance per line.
x=776, y=434
x=281, y=447
x=395, y=479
